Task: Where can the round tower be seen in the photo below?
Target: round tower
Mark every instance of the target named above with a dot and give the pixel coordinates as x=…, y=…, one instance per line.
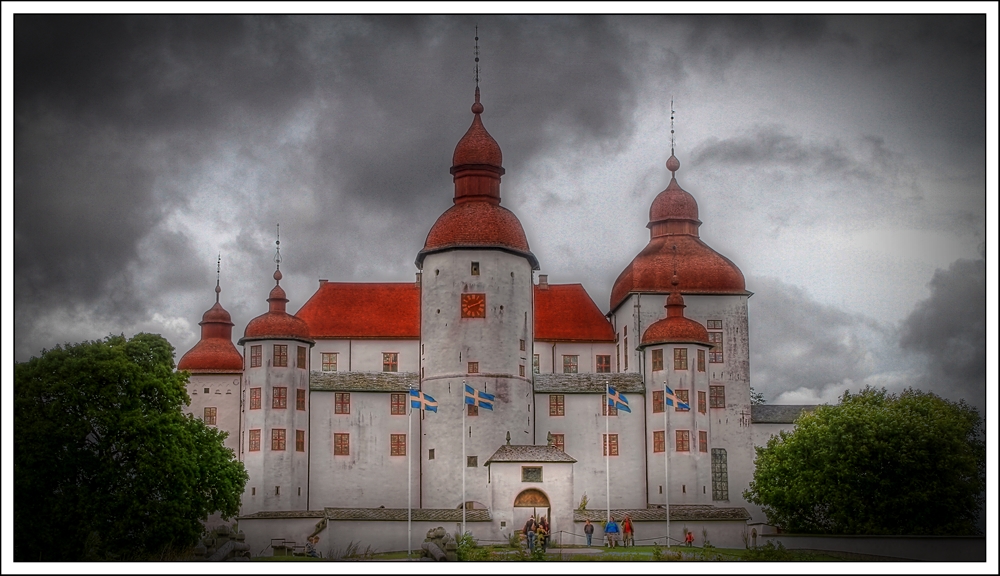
x=476, y=325
x=276, y=408
x=216, y=369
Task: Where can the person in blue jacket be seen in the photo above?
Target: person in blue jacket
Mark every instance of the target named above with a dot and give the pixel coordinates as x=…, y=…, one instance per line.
x=611, y=531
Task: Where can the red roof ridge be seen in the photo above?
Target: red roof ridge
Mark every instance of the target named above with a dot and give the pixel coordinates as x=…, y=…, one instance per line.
x=567, y=313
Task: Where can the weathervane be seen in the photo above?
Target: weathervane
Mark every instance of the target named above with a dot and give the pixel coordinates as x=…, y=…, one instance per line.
x=277, y=244
x=671, y=126
x=477, y=55
x=218, y=268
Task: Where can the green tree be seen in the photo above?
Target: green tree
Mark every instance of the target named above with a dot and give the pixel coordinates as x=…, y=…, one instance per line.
x=877, y=463
x=106, y=465
x=756, y=398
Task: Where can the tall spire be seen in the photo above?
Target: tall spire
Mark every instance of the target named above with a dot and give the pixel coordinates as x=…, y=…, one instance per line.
x=477, y=107
x=673, y=164
x=277, y=254
x=218, y=267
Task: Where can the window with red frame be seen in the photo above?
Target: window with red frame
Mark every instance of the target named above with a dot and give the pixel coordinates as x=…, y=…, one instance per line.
x=255, y=398
x=342, y=403
x=301, y=360
x=211, y=415
x=557, y=405
x=603, y=363
x=659, y=442
x=682, y=395
x=300, y=399
x=397, y=444
x=254, y=441
x=390, y=361
x=300, y=440
x=715, y=354
x=281, y=355
x=702, y=441
x=559, y=442
x=701, y=402
x=613, y=442
x=680, y=359
x=657, y=401
x=683, y=440
x=279, y=397
x=657, y=359
x=701, y=360
x=277, y=439
x=255, y=356
x=341, y=444
x=607, y=410
x=716, y=396
x=397, y=404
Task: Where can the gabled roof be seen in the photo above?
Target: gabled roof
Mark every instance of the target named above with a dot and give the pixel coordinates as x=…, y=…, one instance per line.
x=588, y=383
x=690, y=512
x=777, y=413
x=383, y=310
x=363, y=381
x=526, y=453
x=566, y=313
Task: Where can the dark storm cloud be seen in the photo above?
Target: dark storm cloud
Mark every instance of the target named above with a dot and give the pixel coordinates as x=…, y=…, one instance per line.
x=801, y=343
x=949, y=328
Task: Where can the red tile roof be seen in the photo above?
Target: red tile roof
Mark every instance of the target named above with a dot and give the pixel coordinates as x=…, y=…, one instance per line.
x=565, y=312
x=212, y=355
x=363, y=310
x=675, y=327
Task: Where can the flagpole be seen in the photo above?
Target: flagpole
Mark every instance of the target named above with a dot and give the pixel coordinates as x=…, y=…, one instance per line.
x=409, y=475
x=464, y=410
x=666, y=463
x=607, y=448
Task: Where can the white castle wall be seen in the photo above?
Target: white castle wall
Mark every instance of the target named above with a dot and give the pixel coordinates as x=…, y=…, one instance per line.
x=365, y=355
x=278, y=478
x=557, y=484
x=224, y=395
x=449, y=343
x=587, y=352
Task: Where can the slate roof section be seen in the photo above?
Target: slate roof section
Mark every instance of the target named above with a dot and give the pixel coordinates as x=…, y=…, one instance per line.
x=566, y=313
x=628, y=382
x=363, y=381
x=399, y=514
x=284, y=514
x=524, y=453
x=687, y=512
x=777, y=413
x=385, y=310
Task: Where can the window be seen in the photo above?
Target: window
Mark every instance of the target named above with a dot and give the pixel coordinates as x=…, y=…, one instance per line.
x=534, y=363
x=277, y=490
x=473, y=367
x=300, y=360
x=531, y=473
x=397, y=445
x=607, y=410
x=682, y=395
x=397, y=404
x=716, y=396
x=430, y=454
x=206, y=390
x=614, y=444
x=277, y=439
x=657, y=401
x=659, y=441
x=520, y=370
x=471, y=461
x=657, y=359
x=603, y=363
x=281, y=355
x=701, y=360
x=254, y=441
x=300, y=399
x=329, y=361
x=618, y=356
x=683, y=440
x=559, y=442
x=279, y=398
x=475, y=268
x=471, y=410
x=626, y=353
x=390, y=362
x=342, y=403
x=570, y=363
x=522, y=345
x=300, y=440
x=715, y=324
x=702, y=441
x=341, y=444
x=255, y=356
x=715, y=354
x=255, y=398
x=557, y=405
x=210, y=416
x=701, y=402
x=253, y=491
x=680, y=359
x=720, y=475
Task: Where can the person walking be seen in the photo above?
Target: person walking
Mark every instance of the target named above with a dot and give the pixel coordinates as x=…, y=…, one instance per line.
x=541, y=533
x=529, y=533
x=688, y=538
x=628, y=531
x=588, y=529
x=611, y=531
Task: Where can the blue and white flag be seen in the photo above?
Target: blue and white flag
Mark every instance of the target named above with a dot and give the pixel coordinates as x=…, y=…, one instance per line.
x=478, y=398
x=671, y=399
x=616, y=400
x=422, y=401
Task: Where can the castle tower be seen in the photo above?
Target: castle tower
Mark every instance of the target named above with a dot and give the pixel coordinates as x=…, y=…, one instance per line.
x=715, y=296
x=476, y=325
x=216, y=369
x=276, y=408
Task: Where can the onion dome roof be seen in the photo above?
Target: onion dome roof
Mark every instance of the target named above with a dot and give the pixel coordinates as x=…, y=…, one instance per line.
x=276, y=323
x=673, y=203
x=675, y=328
x=215, y=351
x=477, y=220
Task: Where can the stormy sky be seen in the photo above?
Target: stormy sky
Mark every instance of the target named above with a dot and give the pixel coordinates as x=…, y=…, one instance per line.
x=839, y=161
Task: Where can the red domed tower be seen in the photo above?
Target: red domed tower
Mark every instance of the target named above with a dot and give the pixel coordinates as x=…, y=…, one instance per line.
x=216, y=369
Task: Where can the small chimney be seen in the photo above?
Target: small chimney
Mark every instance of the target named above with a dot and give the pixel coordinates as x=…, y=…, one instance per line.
x=323, y=281
x=543, y=281
x=418, y=278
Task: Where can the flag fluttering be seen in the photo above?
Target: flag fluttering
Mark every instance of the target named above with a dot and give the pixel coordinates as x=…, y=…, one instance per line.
x=671, y=399
x=422, y=401
x=618, y=400
x=478, y=398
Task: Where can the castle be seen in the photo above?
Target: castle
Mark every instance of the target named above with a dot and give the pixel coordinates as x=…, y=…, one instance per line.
x=317, y=404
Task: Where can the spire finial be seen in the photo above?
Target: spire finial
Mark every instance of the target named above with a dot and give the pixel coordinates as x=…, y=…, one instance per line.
x=218, y=268
x=477, y=108
x=277, y=254
x=673, y=164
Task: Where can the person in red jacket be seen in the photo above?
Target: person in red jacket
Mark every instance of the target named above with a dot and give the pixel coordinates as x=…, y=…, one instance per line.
x=628, y=531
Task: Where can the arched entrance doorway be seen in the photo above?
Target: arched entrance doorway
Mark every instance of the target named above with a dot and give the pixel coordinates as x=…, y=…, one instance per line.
x=531, y=502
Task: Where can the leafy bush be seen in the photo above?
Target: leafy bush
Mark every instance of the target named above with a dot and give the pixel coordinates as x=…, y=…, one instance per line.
x=469, y=549
x=768, y=552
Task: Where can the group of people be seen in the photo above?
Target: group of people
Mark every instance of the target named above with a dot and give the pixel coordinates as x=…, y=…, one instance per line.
x=536, y=532
x=613, y=532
